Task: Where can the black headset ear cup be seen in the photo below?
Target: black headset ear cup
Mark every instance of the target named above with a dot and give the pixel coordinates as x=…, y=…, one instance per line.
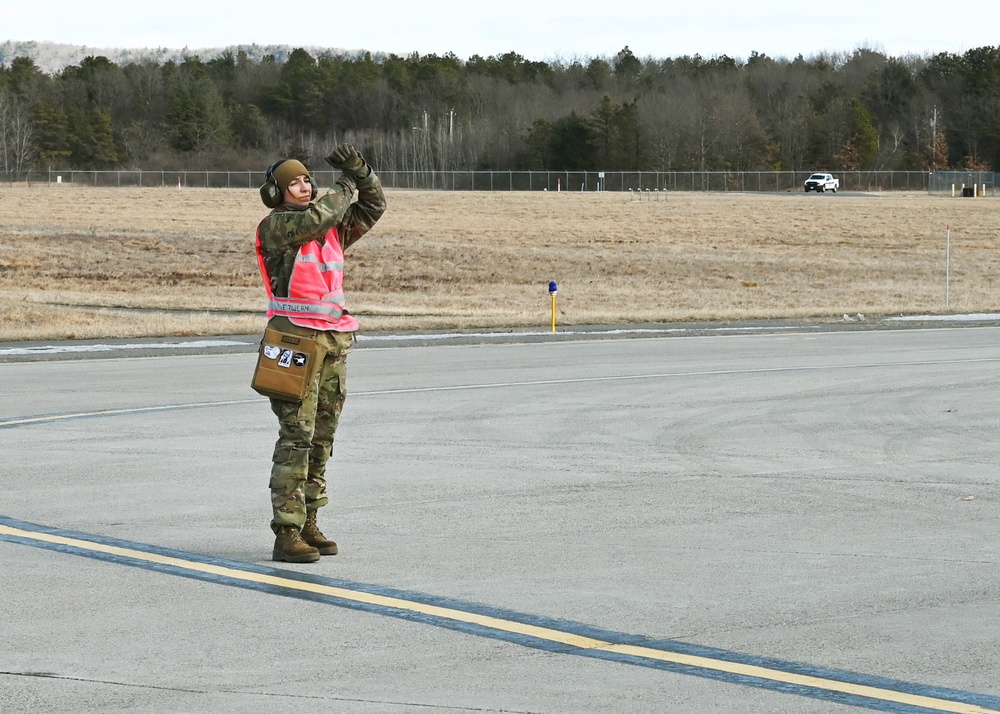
x=270, y=194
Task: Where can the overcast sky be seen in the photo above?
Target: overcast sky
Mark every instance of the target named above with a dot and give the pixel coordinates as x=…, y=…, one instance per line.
x=537, y=29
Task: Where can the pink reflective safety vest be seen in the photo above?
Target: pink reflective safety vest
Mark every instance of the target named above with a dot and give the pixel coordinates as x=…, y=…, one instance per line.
x=316, y=288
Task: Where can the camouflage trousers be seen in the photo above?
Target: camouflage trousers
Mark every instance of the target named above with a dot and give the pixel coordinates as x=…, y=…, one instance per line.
x=305, y=436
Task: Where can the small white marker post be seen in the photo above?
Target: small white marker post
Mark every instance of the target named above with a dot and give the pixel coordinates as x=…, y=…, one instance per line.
x=947, y=270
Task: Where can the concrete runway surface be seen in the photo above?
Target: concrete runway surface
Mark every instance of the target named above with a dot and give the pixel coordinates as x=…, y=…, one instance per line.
x=765, y=522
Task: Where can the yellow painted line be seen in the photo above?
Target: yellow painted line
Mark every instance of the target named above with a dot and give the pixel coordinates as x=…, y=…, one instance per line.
x=329, y=590
x=829, y=685
x=502, y=625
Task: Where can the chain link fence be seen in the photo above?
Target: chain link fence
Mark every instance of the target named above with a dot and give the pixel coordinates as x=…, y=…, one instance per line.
x=772, y=181
x=965, y=183
x=764, y=181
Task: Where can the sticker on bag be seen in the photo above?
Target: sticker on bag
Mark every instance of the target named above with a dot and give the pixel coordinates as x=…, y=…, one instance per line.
x=286, y=358
x=299, y=359
x=271, y=352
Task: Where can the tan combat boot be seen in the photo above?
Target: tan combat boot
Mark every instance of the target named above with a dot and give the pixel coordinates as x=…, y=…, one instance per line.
x=312, y=535
x=289, y=547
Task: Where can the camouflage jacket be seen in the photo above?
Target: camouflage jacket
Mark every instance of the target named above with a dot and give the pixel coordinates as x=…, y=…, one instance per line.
x=285, y=229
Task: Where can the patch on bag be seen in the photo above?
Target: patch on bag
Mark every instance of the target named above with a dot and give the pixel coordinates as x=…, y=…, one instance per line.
x=286, y=358
x=271, y=352
x=299, y=359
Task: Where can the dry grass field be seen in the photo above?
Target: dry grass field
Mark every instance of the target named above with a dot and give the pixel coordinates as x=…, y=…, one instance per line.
x=81, y=262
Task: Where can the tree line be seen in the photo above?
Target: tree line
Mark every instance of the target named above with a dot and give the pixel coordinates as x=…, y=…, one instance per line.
x=859, y=110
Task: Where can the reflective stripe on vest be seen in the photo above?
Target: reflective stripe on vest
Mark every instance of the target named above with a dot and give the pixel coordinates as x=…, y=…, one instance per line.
x=323, y=267
x=315, y=288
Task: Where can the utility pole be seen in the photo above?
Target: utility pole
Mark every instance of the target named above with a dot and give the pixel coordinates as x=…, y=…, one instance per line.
x=934, y=139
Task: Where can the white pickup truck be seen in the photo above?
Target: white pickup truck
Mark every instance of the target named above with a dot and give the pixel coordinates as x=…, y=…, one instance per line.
x=822, y=182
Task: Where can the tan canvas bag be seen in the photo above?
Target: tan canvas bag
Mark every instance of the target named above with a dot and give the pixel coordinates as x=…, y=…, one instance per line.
x=286, y=365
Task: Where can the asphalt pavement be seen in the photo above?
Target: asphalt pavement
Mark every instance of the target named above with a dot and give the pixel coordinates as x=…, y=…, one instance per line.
x=802, y=518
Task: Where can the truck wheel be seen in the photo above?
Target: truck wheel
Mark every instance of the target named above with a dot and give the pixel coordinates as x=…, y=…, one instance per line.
x=834, y=190
x=821, y=189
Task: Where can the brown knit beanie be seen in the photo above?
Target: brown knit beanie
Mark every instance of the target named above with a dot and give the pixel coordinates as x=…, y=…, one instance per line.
x=288, y=170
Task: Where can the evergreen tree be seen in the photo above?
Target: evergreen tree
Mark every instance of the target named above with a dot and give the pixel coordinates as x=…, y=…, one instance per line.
x=90, y=139
x=196, y=120
x=860, y=149
x=572, y=144
x=52, y=136
x=863, y=110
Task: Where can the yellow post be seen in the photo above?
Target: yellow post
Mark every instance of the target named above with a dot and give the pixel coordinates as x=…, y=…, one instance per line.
x=552, y=292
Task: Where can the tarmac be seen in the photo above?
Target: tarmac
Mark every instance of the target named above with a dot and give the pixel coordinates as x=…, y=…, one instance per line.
x=782, y=517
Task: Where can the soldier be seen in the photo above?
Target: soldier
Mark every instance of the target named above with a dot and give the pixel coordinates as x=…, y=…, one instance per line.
x=300, y=251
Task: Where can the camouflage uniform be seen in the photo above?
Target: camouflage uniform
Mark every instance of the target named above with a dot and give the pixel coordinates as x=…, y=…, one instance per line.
x=306, y=429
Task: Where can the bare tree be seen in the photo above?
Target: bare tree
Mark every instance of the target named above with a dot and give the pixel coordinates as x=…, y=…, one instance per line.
x=17, y=145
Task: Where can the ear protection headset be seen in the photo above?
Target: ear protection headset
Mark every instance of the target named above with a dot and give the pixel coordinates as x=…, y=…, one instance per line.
x=271, y=193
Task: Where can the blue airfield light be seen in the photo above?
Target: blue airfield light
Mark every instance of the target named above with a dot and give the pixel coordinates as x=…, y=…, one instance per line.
x=552, y=287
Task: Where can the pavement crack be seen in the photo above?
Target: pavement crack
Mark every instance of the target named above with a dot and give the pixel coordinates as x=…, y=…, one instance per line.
x=89, y=680
x=309, y=697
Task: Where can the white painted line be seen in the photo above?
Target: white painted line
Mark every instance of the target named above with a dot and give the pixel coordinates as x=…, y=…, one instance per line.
x=581, y=333
x=62, y=349
x=204, y=344
x=976, y=317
